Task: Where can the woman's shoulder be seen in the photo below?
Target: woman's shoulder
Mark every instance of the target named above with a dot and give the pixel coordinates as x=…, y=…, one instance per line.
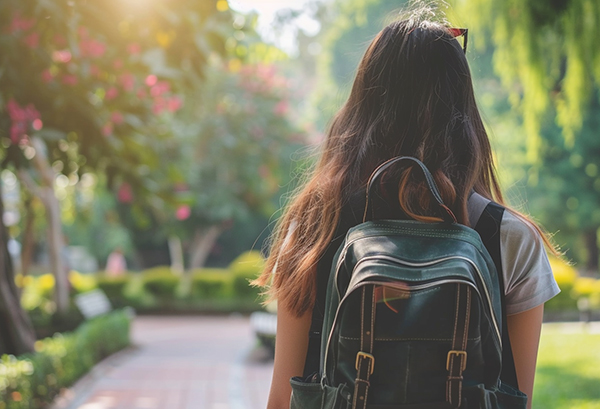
x=512, y=224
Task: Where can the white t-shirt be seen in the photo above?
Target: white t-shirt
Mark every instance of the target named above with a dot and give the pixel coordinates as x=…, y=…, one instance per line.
x=528, y=278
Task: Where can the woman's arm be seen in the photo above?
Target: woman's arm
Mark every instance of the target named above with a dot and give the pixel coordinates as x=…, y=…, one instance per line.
x=291, y=345
x=524, y=332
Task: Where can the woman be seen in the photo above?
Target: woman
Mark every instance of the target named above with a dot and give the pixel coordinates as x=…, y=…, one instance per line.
x=412, y=96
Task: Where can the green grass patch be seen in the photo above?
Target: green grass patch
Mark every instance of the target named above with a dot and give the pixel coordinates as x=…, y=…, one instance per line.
x=568, y=369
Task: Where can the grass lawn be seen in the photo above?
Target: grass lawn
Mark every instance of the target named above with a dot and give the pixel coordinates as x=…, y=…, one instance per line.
x=568, y=370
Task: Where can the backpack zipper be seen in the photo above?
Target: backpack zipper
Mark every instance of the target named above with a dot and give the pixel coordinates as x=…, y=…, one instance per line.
x=427, y=264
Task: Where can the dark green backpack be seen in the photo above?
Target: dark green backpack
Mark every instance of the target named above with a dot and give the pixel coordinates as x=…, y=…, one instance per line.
x=413, y=320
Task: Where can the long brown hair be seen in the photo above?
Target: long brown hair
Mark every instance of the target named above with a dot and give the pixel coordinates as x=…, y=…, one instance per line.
x=412, y=96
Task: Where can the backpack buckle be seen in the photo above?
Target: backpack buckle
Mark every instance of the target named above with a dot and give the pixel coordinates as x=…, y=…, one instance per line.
x=365, y=355
x=463, y=362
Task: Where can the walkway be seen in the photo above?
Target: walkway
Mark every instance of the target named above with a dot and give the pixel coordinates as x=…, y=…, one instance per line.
x=184, y=363
x=193, y=363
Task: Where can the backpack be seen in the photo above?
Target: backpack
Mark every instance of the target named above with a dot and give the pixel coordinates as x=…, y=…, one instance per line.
x=413, y=319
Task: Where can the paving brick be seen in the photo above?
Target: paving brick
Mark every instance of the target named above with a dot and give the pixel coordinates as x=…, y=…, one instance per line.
x=185, y=363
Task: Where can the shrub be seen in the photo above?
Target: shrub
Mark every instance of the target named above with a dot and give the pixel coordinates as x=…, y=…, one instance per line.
x=565, y=276
x=211, y=283
x=246, y=267
x=114, y=288
x=160, y=282
x=32, y=380
x=589, y=288
x=81, y=283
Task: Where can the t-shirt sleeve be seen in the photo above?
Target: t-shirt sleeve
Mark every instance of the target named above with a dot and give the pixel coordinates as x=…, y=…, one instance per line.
x=528, y=277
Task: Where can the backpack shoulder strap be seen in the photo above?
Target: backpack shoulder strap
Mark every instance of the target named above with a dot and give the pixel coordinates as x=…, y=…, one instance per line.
x=488, y=227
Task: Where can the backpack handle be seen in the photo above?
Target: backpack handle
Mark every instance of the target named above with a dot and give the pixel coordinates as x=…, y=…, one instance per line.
x=447, y=214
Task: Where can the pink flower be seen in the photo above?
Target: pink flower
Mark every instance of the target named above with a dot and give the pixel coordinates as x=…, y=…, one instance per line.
x=266, y=71
x=174, y=104
x=19, y=114
x=151, y=80
x=37, y=124
x=62, y=56
x=47, y=76
x=15, y=111
x=160, y=88
x=118, y=64
x=107, y=129
x=281, y=108
x=20, y=117
x=125, y=194
x=116, y=117
x=111, y=93
x=92, y=48
x=70, y=79
x=134, y=48
x=127, y=81
x=19, y=23
x=32, y=40
x=183, y=212
x=31, y=113
x=17, y=130
x=159, y=106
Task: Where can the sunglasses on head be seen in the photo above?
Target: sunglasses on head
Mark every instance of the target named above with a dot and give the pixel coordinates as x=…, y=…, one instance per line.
x=458, y=32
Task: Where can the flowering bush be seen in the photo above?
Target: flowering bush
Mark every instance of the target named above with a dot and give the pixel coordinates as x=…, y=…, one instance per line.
x=107, y=86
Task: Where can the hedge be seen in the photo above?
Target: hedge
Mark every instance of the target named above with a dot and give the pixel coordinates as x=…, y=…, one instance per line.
x=245, y=268
x=154, y=290
x=211, y=283
x=565, y=276
x=31, y=381
x=114, y=288
x=161, y=283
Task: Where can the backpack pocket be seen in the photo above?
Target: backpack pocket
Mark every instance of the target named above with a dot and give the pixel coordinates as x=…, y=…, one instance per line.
x=505, y=397
x=308, y=393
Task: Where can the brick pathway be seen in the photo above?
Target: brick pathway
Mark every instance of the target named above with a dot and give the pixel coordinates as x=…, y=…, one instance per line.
x=185, y=363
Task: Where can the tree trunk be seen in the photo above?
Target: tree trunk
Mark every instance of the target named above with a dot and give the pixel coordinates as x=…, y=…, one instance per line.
x=45, y=191
x=56, y=246
x=28, y=239
x=591, y=244
x=204, y=240
x=16, y=332
x=176, y=253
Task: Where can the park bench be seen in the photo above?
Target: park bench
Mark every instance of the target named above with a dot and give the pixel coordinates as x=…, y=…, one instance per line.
x=93, y=303
x=264, y=325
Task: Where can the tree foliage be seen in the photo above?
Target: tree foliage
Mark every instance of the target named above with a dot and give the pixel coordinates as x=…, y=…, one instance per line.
x=98, y=80
x=228, y=160
x=546, y=54
x=353, y=25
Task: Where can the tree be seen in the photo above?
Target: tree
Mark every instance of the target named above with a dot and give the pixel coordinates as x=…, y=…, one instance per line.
x=90, y=86
x=353, y=24
x=16, y=332
x=228, y=161
x=546, y=57
x=564, y=188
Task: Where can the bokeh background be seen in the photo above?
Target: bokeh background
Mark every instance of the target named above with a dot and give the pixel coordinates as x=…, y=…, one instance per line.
x=146, y=147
